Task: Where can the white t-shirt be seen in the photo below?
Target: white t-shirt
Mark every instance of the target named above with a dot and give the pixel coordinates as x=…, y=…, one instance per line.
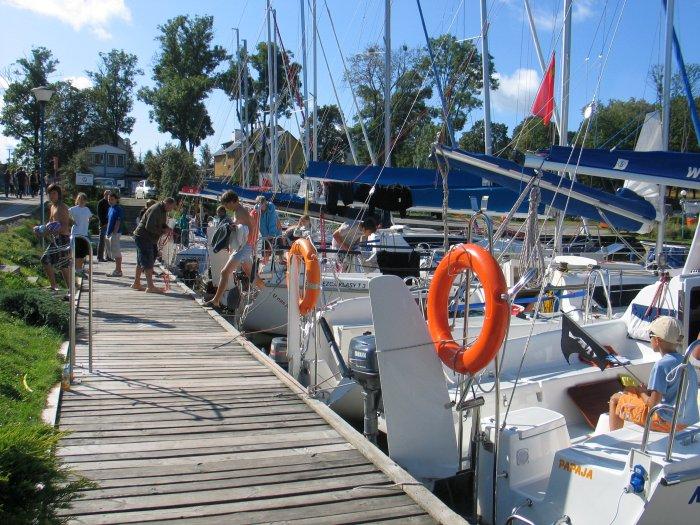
x=81, y=219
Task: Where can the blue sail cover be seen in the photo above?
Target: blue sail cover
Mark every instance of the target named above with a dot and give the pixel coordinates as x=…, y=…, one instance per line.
x=386, y=176
x=626, y=211
x=657, y=167
x=216, y=188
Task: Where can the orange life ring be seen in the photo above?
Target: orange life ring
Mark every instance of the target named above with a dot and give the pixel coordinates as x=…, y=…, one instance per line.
x=304, y=249
x=468, y=359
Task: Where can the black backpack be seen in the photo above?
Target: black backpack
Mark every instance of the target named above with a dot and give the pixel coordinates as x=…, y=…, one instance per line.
x=221, y=236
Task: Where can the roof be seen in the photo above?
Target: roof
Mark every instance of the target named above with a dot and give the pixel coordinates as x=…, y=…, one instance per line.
x=106, y=148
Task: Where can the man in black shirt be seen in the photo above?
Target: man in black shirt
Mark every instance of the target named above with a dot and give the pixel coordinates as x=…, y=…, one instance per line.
x=102, y=211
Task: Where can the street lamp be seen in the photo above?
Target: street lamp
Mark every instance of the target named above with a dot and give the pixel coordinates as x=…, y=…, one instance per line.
x=42, y=95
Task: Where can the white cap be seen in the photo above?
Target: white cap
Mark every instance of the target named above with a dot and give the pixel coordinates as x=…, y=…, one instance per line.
x=667, y=329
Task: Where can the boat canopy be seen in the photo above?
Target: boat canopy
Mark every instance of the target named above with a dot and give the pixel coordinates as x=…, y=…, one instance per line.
x=387, y=176
x=624, y=210
x=657, y=167
x=213, y=189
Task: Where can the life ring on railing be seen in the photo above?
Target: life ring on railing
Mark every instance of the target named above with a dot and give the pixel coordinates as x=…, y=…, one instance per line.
x=472, y=358
x=305, y=249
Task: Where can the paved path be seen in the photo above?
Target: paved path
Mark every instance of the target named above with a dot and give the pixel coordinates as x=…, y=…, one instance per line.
x=13, y=206
x=182, y=420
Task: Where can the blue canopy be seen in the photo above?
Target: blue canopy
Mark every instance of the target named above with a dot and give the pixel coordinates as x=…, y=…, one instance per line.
x=657, y=167
x=215, y=188
x=387, y=176
x=625, y=210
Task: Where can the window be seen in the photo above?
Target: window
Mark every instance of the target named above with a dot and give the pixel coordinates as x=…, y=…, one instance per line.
x=111, y=160
x=120, y=161
x=99, y=159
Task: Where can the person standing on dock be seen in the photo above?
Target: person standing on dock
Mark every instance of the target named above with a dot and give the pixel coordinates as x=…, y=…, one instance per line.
x=115, y=221
x=270, y=225
x=80, y=214
x=57, y=254
x=243, y=256
x=152, y=225
x=102, y=212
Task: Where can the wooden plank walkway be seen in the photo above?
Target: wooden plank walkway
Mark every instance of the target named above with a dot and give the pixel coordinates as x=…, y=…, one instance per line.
x=183, y=420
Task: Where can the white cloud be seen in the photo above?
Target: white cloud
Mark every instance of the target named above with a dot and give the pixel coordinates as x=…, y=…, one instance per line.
x=547, y=20
x=96, y=15
x=4, y=84
x=79, y=82
x=516, y=92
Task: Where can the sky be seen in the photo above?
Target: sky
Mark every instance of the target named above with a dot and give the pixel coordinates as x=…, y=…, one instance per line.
x=614, y=44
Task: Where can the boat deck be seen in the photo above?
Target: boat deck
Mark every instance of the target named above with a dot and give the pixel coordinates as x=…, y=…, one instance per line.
x=184, y=419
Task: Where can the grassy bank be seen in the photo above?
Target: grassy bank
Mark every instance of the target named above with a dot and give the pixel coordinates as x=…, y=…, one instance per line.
x=33, y=323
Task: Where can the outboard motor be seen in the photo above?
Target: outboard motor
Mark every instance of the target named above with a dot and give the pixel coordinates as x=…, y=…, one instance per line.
x=364, y=369
x=278, y=352
x=362, y=355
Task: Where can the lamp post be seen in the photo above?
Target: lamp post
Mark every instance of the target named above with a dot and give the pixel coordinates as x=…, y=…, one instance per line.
x=42, y=95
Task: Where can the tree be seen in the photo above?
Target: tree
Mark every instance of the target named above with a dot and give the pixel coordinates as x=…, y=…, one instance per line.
x=170, y=168
x=69, y=122
x=530, y=135
x=206, y=157
x=473, y=140
x=458, y=64
x=409, y=96
x=332, y=142
x=184, y=75
x=20, y=116
x=616, y=124
x=112, y=94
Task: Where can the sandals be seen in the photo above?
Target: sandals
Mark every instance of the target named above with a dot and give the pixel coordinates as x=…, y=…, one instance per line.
x=115, y=274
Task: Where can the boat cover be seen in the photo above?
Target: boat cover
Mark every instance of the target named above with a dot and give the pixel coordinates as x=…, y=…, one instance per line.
x=624, y=210
x=658, y=167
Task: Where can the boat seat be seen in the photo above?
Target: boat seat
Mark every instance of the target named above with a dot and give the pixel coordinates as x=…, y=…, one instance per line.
x=592, y=398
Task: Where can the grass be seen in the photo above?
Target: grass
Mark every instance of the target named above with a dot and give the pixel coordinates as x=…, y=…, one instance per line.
x=33, y=483
x=19, y=246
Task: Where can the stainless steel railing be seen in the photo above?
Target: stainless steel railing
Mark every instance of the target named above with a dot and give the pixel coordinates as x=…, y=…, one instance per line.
x=73, y=306
x=675, y=408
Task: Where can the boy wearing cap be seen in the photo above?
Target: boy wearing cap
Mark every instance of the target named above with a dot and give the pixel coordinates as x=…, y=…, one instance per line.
x=634, y=404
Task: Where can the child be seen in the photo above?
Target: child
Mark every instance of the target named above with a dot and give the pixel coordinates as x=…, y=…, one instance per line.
x=634, y=404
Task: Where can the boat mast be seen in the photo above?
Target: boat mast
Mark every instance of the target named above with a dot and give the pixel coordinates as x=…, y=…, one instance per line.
x=387, y=82
x=666, y=123
x=564, y=117
x=244, y=149
x=269, y=81
x=486, y=75
x=275, y=68
x=304, y=80
x=315, y=128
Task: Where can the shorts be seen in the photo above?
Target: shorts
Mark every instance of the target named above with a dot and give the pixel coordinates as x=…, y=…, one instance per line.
x=243, y=254
x=115, y=250
x=146, y=253
x=57, y=253
x=82, y=248
x=631, y=407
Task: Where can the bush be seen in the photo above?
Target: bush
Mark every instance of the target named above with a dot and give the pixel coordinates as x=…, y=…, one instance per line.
x=33, y=483
x=36, y=307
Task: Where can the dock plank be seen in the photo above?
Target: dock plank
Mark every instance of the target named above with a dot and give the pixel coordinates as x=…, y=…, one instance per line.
x=182, y=420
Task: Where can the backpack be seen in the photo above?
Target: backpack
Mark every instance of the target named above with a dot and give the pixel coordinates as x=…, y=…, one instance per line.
x=220, y=239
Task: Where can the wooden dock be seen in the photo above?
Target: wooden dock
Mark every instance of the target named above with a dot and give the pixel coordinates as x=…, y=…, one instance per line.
x=183, y=419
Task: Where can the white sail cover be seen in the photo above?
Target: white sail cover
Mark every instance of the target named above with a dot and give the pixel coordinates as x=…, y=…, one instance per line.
x=649, y=140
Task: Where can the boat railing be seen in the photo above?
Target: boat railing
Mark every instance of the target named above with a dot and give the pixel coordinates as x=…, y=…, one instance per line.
x=73, y=305
x=590, y=288
x=675, y=408
x=487, y=223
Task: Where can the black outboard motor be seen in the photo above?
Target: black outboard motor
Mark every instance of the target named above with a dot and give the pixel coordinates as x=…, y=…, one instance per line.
x=362, y=355
x=363, y=369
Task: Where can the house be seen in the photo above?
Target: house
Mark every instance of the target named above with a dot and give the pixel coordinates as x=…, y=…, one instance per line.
x=108, y=164
x=228, y=163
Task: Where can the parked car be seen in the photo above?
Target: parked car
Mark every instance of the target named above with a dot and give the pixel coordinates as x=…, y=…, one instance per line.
x=144, y=190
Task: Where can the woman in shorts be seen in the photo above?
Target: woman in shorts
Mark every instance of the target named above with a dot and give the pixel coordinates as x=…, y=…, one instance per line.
x=80, y=214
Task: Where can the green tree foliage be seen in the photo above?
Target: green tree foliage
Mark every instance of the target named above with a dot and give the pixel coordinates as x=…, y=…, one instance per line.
x=20, y=114
x=410, y=93
x=112, y=94
x=473, y=140
x=420, y=146
x=69, y=122
x=170, y=168
x=459, y=68
x=184, y=75
x=617, y=124
x=332, y=142
x=530, y=135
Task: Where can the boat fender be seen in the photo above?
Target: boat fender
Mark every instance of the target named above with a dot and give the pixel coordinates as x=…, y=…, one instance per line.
x=471, y=358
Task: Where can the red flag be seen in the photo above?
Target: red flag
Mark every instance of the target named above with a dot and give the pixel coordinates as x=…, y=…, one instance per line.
x=544, y=101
